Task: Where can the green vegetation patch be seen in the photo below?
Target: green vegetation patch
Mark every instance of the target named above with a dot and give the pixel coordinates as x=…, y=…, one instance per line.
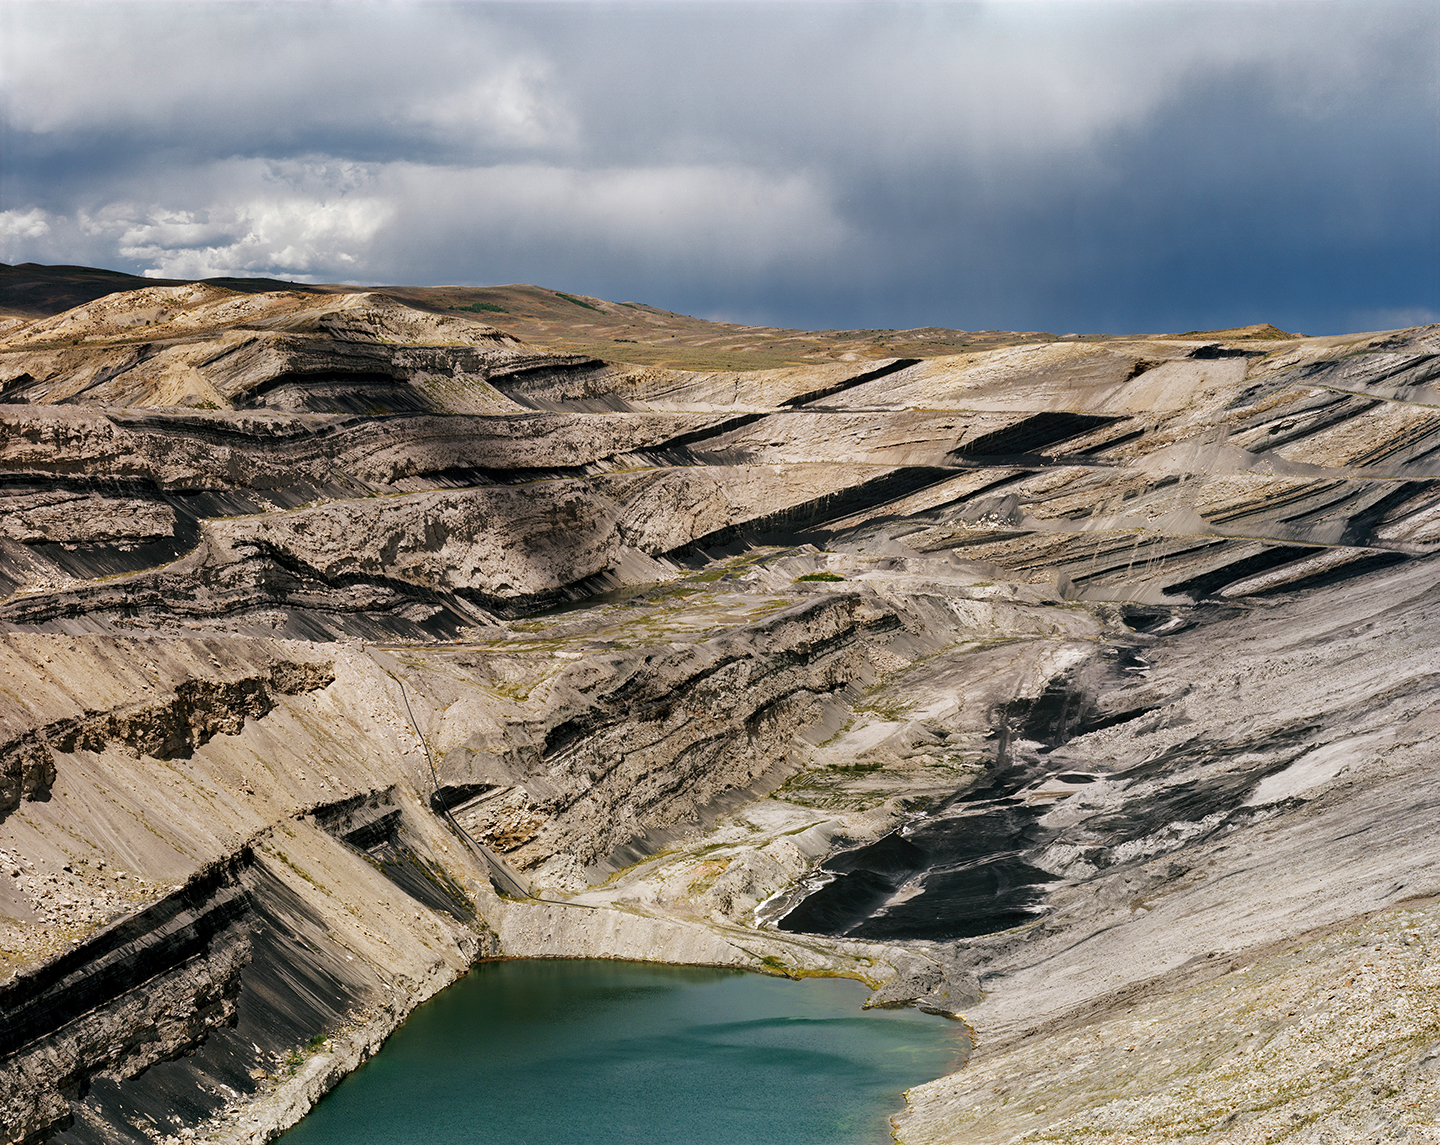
x=894, y=710
x=827, y=576
x=478, y=307
x=578, y=302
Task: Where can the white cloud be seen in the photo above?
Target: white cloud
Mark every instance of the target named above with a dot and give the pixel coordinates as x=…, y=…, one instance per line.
x=513, y=104
x=292, y=237
x=988, y=156
x=958, y=81
x=233, y=218
x=31, y=224
x=321, y=218
x=739, y=217
x=223, y=76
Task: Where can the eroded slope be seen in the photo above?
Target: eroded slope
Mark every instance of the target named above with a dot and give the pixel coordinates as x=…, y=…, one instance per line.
x=1008, y=680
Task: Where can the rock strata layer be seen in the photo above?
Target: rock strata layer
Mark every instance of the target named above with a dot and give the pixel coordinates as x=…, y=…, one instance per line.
x=1080, y=689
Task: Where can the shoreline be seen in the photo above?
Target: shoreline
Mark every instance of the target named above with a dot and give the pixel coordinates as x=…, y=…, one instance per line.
x=552, y=931
x=1124, y=1071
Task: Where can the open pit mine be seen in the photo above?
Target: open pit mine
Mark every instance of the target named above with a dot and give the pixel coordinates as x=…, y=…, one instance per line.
x=1085, y=691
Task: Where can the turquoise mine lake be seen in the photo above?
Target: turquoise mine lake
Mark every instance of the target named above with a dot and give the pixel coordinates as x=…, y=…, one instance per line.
x=597, y=1052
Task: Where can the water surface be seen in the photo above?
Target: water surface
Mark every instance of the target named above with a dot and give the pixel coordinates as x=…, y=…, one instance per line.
x=590, y=1052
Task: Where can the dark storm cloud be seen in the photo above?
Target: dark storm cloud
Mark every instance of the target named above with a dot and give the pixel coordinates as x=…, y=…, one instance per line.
x=1078, y=166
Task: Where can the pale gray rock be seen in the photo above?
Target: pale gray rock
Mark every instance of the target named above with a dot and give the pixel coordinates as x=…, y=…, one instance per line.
x=1053, y=681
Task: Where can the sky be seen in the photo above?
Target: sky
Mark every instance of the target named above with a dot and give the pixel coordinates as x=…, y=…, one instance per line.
x=1070, y=167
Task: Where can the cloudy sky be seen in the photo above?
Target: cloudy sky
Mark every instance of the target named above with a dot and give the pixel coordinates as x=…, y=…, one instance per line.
x=1075, y=166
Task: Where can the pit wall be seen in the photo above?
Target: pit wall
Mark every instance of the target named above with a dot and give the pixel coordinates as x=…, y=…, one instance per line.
x=292, y=893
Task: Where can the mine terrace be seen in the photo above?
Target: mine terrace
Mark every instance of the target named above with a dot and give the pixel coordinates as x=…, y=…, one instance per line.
x=1084, y=690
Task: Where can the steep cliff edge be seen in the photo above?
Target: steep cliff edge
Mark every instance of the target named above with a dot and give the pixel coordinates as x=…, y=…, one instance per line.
x=1034, y=683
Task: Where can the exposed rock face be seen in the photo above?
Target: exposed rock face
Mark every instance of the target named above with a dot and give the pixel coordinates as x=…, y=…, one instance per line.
x=1020, y=682
x=92, y=1019
x=625, y=742
x=175, y=727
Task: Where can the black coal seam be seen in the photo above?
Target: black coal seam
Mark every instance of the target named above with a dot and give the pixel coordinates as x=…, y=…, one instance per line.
x=1423, y=456
x=88, y=560
x=260, y=435
x=680, y=779
x=939, y=512
x=221, y=432
x=1318, y=372
x=281, y=342
x=401, y=588
x=1410, y=440
x=506, y=475
x=404, y=868
x=1111, y=443
x=484, y=476
x=1100, y=724
x=155, y=598
x=1405, y=367
x=678, y=776
x=328, y=815
x=379, y=405
x=329, y=376
x=1297, y=735
x=762, y=711
x=1271, y=503
x=1212, y=352
x=1125, y=554
x=361, y=394
x=109, y=373
x=923, y=519
x=803, y=515
x=1001, y=534
x=478, y=477
x=1221, y=791
x=381, y=829
x=1185, y=803
x=134, y=487
x=1312, y=405
x=1360, y=521
x=620, y=703
x=859, y=379
x=120, y=957
x=193, y=502
x=1137, y=553
x=1023, y=438
x=1378, y=510
x=1330, y=503
x=12, y=391
x=500, y=376
x=1203, y=584
x=1342, y=411
x=730, y=425
x=656, y=711
x=611, y=762
x=342, y=429
x=514, y=607
x=807, y=516
x=295, y=984
x=1349, y=571
x=448, y=796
